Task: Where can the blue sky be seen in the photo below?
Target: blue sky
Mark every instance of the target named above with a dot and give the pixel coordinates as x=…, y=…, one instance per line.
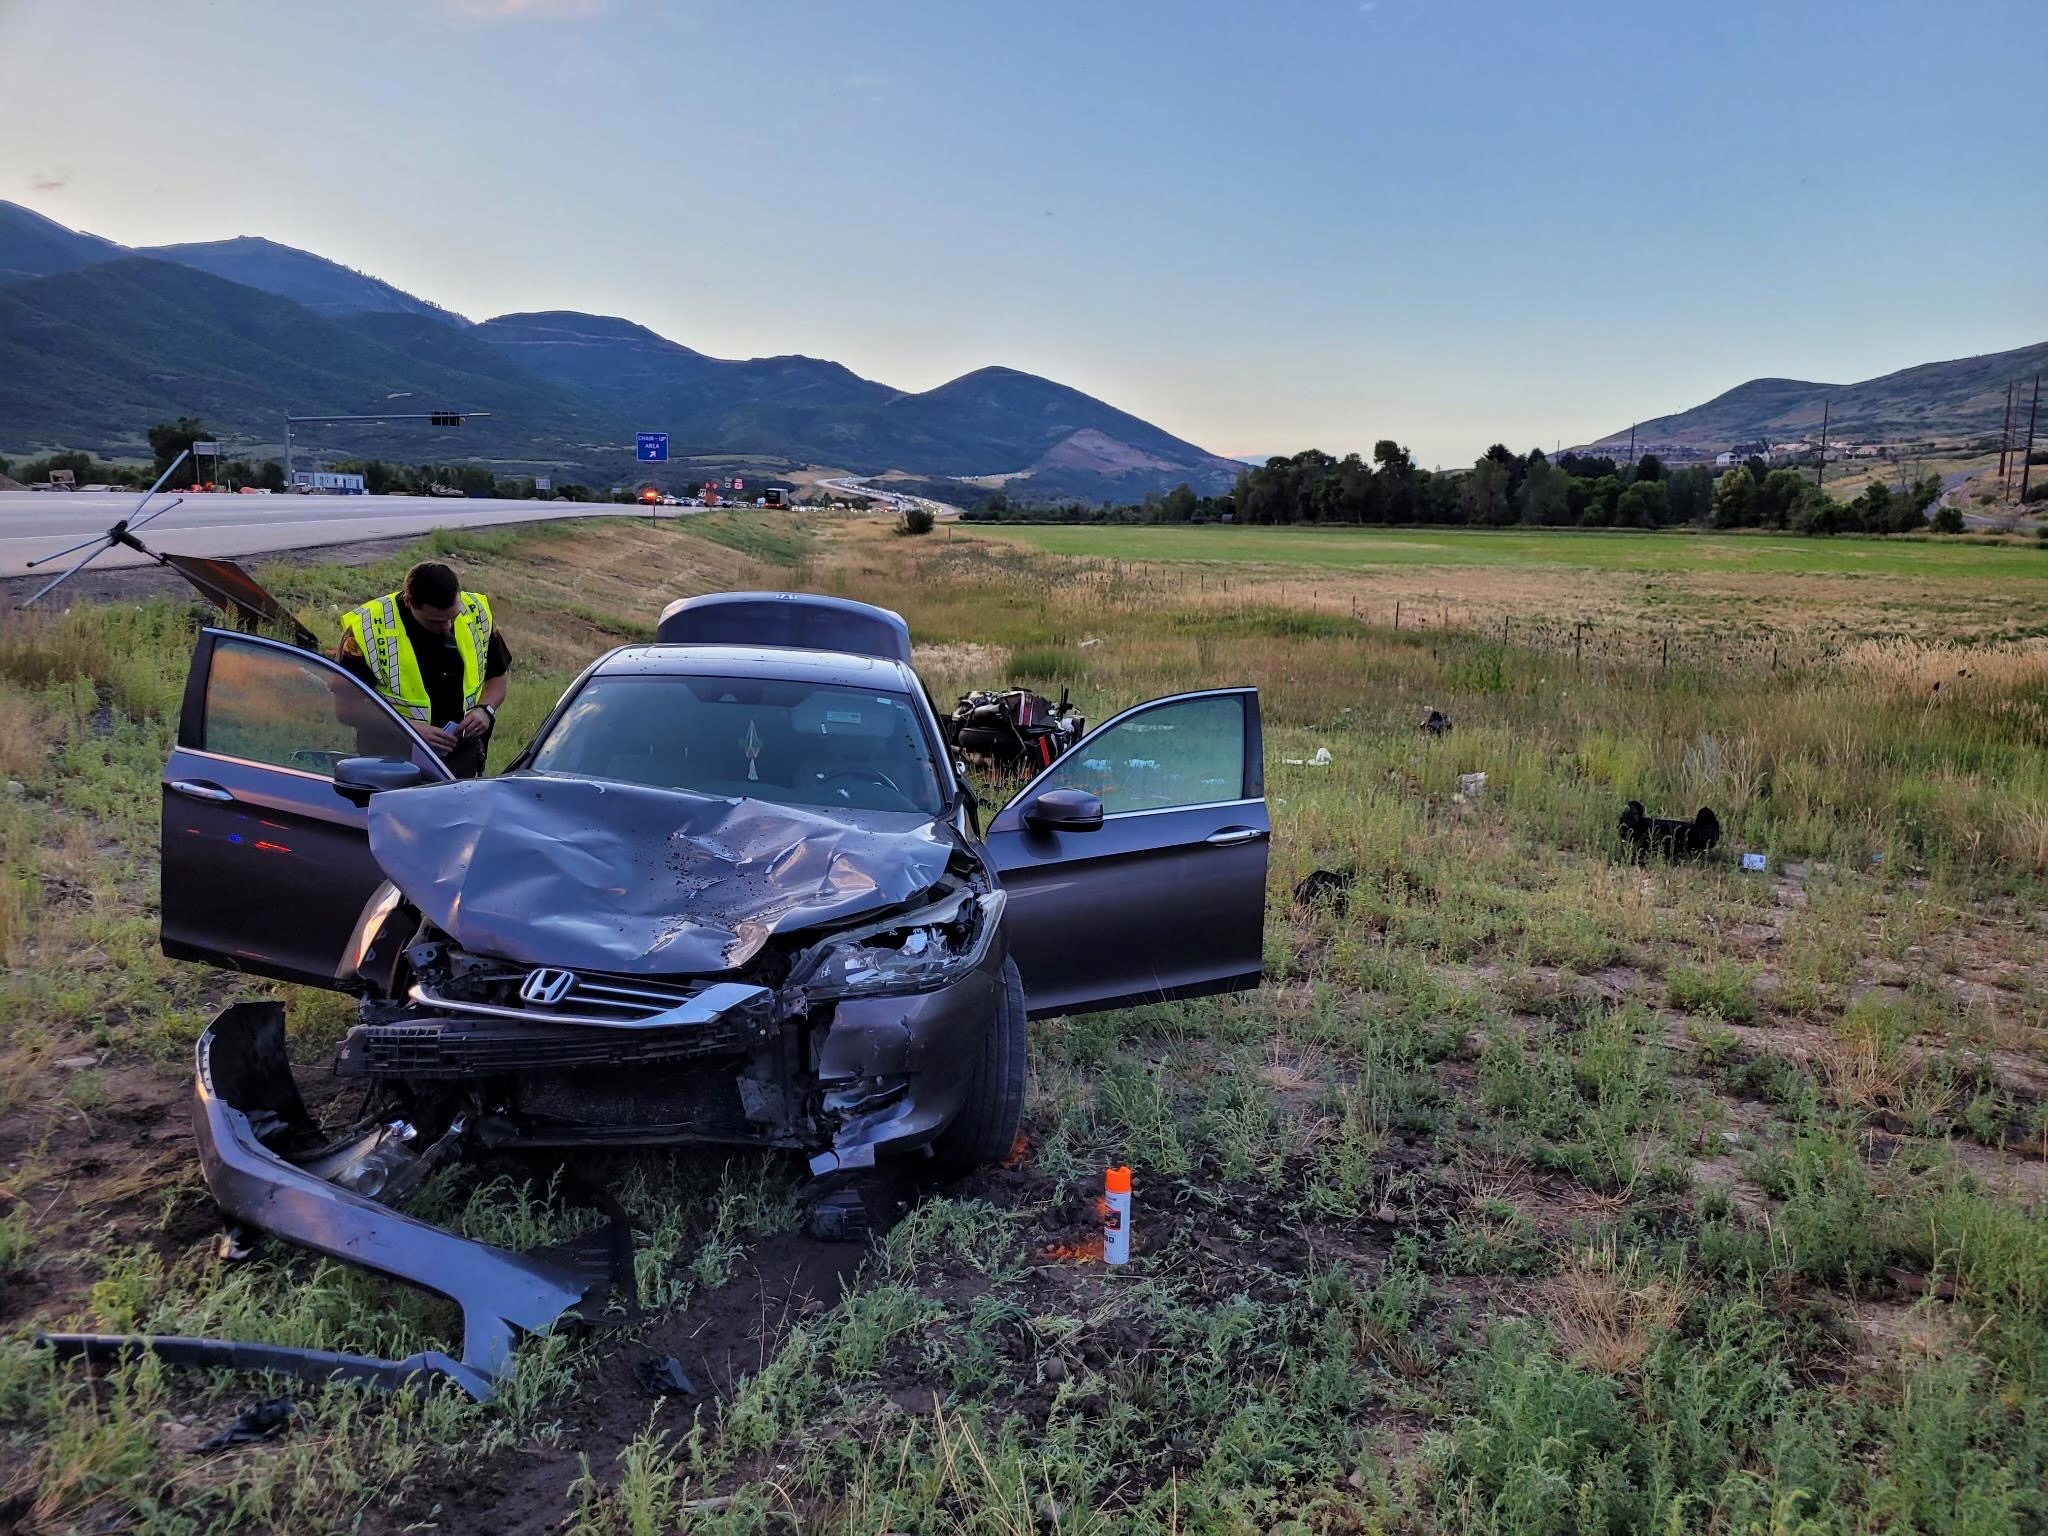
x=1264, y=226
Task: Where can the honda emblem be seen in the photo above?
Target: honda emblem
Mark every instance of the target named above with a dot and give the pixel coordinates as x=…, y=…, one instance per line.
x=546, y=986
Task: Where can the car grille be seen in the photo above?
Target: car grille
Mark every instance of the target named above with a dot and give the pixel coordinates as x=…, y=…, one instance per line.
x=466, y=1048
x=615, y=999
x=477, y=1025
x=592, y=999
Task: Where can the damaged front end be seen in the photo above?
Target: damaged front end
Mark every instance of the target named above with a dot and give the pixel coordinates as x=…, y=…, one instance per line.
x=835, y=1045
x=267, y=1165
x=832, y=990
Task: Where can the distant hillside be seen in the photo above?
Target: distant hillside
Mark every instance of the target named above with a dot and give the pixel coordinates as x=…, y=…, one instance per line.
x=995, y=420
x=325, y=287
x=88, y=359
x=33, y=246
x=97, y=341
x=1961, y=398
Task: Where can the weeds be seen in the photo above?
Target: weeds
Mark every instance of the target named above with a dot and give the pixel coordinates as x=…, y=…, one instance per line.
x=1417, y=1247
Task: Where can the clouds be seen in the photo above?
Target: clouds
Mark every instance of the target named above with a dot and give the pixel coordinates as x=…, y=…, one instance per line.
x=512, y=10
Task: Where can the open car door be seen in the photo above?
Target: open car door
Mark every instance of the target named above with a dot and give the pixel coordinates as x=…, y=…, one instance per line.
x=1167, y=896
x=266, y=867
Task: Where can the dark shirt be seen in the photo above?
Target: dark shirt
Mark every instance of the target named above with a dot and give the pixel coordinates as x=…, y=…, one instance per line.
x=440, y=662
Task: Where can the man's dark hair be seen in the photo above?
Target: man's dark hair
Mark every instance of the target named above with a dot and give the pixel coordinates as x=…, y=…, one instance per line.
x=430, y=584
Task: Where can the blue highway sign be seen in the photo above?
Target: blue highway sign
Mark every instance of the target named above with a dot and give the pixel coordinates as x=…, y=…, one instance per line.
x=651, y=447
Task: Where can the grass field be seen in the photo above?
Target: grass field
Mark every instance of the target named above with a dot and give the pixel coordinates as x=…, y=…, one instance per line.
x=1537, y=1191
x=1723, y=595
x=1347, y=549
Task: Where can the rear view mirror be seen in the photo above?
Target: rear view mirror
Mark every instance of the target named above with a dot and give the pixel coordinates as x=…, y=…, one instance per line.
x=1064, y=810
x=358, y=778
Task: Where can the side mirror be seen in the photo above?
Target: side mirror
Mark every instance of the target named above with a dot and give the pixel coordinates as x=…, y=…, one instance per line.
x=1064, y=810
x=358, y=778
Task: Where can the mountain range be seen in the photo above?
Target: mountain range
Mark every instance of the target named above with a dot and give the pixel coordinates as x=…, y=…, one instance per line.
x=99, y=340
x=1935, y=402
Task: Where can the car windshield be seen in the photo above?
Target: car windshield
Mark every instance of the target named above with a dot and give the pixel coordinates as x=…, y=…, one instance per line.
x=791, y=742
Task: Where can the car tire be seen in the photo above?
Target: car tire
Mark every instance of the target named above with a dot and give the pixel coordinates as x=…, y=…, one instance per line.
x=986, y=1128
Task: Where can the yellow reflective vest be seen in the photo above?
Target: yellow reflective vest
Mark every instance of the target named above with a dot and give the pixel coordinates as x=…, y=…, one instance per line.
x=378, y=630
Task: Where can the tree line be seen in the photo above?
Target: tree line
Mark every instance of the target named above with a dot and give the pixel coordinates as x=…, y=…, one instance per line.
x=1504, y=489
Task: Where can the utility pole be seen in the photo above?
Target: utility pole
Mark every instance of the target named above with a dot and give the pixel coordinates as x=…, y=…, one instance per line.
x=2027, y=453
x=1820, y=467
x=1631, y=442
x=2005, y=437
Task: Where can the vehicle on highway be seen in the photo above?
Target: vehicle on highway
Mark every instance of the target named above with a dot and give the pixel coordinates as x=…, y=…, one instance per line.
x=734, y=891
x=320, y=482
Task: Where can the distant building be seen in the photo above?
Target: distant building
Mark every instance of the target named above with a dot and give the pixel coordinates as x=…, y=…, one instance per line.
x=1727, y=460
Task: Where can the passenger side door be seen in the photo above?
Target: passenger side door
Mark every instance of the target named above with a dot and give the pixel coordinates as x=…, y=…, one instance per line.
x=266, y=867
x=1167, y=897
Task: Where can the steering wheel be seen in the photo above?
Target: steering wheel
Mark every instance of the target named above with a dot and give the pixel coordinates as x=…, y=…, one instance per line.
x=871, y=775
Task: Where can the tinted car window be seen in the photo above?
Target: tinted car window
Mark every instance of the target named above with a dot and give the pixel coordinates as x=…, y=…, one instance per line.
x=266, y=705
x=793, y=743
x=1190, y=752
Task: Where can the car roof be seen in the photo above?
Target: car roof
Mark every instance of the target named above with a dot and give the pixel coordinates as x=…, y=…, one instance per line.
x=778, y=663
x=803, y=621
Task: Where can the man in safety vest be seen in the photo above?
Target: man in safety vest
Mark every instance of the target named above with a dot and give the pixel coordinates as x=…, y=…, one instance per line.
x=431, y=650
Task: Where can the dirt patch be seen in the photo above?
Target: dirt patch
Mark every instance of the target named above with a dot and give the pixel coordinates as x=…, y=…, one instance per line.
x=719, y=1339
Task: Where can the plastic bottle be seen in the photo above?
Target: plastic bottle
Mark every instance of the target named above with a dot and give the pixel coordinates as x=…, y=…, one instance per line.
x=1116, y=1216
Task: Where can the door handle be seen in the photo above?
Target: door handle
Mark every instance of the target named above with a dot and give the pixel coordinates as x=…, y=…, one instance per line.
x=196, y=789
x=1230, y=837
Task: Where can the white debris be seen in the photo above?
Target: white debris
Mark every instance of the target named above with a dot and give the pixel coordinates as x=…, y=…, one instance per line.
x=1471, y=785
x=1322, y=759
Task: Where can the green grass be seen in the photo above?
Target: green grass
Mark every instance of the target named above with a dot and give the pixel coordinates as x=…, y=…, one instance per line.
x=1364, y=548
x=1537, y=1190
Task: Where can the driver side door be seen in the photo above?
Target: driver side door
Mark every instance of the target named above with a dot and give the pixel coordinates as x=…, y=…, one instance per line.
x=266, y=867
x=1167, y=898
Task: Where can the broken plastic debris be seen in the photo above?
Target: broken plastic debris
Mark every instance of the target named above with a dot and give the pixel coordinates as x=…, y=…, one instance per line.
x=663, y=1376
x=1471, y=785
x=259, y=1421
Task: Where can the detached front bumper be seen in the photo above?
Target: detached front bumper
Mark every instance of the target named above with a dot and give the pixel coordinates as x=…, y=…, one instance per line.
x=245, y=1101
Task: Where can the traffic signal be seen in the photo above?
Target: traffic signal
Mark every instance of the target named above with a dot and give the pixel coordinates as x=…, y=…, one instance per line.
x=445, y=419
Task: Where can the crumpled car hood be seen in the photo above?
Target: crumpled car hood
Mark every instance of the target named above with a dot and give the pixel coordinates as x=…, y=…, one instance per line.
x=621, y=878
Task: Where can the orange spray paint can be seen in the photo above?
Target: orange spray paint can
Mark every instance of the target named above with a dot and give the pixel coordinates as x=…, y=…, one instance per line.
x=1116, y=1216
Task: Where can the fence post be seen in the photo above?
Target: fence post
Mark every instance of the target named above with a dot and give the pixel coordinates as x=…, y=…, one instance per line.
x=1665, y=666
x=1578, y=636
x=1397, y=618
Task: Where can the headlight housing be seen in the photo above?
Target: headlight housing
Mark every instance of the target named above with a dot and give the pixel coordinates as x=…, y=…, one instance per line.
x=919, y=951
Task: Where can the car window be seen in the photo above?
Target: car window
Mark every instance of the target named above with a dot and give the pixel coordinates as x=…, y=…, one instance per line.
x=1189, y=752
x=790, y=742
x=291, y=710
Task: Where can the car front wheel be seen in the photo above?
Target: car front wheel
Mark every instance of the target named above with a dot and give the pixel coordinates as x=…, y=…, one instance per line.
x=986, y=1128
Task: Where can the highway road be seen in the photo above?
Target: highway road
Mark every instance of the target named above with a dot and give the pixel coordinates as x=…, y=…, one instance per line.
x=38, y=523
x=895, y=501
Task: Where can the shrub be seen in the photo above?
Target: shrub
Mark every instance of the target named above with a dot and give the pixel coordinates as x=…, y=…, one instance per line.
x=916, y=520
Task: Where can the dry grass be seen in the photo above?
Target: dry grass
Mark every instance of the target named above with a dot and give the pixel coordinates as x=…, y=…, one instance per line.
x=1611, y=1309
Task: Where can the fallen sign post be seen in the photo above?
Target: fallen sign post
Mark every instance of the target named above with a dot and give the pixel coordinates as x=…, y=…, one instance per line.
x=221, y=582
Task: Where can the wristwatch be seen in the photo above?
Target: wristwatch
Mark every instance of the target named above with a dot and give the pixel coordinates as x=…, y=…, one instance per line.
x=489, y=711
